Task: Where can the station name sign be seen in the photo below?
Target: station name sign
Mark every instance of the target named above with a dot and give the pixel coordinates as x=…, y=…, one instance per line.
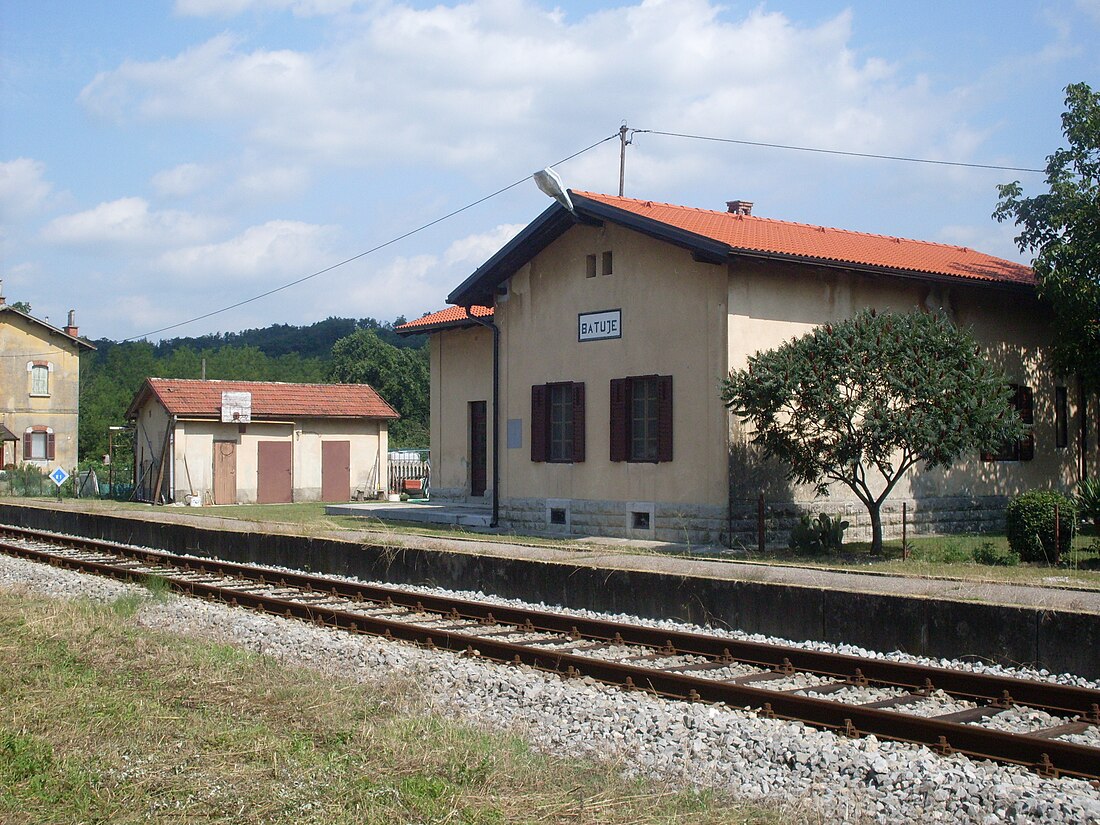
x=599, y=326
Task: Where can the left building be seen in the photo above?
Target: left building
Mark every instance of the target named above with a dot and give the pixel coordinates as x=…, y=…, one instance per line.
x=39, y=390
x=258, y=442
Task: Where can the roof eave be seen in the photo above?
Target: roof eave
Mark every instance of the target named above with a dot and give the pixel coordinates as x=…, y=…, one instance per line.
x=874, y=269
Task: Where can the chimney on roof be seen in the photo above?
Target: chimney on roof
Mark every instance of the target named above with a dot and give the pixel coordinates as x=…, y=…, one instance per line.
x=70, y=328
x=3, y=300
x=739, y=207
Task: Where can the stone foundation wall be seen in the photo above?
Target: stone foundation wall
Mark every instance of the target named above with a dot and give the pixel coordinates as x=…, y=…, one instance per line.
x=925, y=516
x=646, y=520
x=696, y=524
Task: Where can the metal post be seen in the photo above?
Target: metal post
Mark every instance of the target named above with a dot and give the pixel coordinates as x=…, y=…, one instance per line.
x=760, y=523
x=1057, y=537
x=622, y=157
x=904, y=531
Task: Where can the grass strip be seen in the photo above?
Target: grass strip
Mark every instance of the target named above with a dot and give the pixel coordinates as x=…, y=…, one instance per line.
x=104, y=721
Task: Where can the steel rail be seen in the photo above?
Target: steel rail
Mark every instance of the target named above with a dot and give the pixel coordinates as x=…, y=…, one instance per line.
x=982, y=687
x=1047, y=756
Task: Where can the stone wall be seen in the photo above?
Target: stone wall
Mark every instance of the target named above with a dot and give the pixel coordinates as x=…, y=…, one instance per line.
x=924, y=516
x=696, y=524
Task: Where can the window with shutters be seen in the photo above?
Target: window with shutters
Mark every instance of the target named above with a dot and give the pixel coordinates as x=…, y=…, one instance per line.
x=38, y=444
x=40, y=378
x=557, y=422
x=1020, y=449
x=641, y=418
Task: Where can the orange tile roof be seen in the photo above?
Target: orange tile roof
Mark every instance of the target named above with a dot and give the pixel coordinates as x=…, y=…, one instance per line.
x=181, y=396
x=451, y=316
x=750, y=233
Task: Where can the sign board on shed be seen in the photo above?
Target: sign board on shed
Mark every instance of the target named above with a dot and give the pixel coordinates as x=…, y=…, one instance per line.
x=236, y=407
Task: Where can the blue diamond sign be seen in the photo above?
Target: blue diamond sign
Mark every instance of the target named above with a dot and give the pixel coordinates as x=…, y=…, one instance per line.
x=59, y=476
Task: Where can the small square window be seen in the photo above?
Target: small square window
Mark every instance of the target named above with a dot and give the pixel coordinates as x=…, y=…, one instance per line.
x=606, y=265
x=590, y=266
x=639, y=520
x=557, y=515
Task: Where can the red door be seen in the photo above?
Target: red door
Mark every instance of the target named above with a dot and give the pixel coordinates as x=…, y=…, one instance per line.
x=335, y=471
x=478, y=442
x=275, y=481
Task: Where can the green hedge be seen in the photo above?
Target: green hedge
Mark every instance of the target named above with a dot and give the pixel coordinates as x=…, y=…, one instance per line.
x=1029, y=524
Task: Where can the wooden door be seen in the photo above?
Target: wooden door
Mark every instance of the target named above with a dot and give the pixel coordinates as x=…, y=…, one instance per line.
x=478, y=443
x=225, y=472
x=335, y=471
x=274, y=472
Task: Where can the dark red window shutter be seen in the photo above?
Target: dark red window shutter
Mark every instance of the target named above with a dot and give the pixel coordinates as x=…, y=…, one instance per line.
x=664, y=418
x=1024, y=404
x=49, y=446
x=620, y=432
x=26, y=446
x=578, y=423
x=538, y=422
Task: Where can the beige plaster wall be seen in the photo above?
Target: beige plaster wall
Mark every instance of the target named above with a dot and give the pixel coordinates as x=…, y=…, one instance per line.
x=771, y=304
x=194, y=456
x=22, y=341
x=461, y=372
x=674, y=323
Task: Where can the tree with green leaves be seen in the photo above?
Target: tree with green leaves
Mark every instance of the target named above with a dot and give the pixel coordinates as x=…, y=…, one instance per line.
x=863, y=401
x=401, y=377
x=1062, y=229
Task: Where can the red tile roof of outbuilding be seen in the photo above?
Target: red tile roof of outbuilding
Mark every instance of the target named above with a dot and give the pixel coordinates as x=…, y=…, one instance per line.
x=804, y=241
x=191, y=397
x=449, y=317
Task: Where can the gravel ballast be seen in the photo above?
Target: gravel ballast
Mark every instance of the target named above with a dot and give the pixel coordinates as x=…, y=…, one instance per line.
x=754, y=758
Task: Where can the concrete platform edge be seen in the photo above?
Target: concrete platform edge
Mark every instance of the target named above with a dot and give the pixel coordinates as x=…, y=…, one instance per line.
x=1057, y=640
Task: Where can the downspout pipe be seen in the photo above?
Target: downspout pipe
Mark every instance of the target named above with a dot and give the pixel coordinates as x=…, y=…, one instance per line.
x=496, y=410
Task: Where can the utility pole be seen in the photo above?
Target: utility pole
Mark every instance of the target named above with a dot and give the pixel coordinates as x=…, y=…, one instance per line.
x=622, y=156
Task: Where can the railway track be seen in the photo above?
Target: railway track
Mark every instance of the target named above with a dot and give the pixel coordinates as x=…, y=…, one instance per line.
x=948, y=710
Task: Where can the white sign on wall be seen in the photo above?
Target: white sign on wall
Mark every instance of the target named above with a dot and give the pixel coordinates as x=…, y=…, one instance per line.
x=599, y=326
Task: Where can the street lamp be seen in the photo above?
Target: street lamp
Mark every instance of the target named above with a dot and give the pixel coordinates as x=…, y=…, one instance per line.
x=111, y=459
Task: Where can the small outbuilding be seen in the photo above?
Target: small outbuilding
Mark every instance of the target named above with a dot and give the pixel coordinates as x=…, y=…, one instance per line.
x=246, y=442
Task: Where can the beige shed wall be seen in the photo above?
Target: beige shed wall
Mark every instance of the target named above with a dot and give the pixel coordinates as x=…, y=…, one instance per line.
x=191, y=472
x=22, y=341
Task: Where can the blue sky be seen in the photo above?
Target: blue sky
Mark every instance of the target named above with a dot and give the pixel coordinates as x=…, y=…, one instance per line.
x=161, y=160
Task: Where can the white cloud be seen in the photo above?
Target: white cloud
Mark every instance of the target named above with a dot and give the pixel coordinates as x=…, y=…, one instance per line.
x=272, y=182
x=23, y=189
x=232, y=8
x=274, y=253
x=182, y=180
x=126, y=225
x=488, y=81
x=474, y=250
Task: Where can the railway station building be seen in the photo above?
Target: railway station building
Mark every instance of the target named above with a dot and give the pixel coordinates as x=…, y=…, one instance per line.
x=39, y=390
x=248, y=442
x=603, y=334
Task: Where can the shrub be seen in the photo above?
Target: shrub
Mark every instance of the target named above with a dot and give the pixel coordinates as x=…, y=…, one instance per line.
x=1088, y=500
x=1029, y=524
x=988, y=553
x=818, y=535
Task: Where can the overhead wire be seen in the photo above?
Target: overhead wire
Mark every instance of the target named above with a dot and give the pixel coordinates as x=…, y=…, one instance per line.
x=502, y=190
x=837, y=151
x=363, y=254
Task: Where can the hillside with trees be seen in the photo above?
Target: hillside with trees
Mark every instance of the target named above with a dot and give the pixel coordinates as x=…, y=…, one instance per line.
x=368, y=352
